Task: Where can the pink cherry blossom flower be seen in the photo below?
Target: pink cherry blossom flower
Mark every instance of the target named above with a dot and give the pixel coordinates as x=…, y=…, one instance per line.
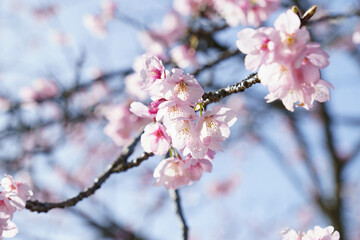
x=182, y=133
x=175, y=172
x=41, y=89
x=194, y=168
x=184, y=56
x=259, y=45
x=175, y=110
x=184, y=87
x=153, y=73
x=155, y=139
x=319, y=233
x=16, y=192
x=8, y=228
x=170, y=173
x=214, y=126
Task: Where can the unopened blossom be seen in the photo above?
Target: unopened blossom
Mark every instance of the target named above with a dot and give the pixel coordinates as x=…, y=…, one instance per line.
x=246, y=12
x=155, y=139
x=184, y=56
x=183, y=87
x=214, y=126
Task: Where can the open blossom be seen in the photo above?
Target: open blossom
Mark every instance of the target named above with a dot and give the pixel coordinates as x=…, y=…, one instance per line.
x=214, y=126
x=259, y=45
x=183, y=87
x=152, y=74
x=288, y=63
x=12, y=197
x=174, y=110
x=175, y=172
x=318, y=233
x=246, y=12
x=155, y=139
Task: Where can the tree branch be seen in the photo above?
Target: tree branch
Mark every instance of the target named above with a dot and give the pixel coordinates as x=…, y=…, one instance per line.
x=211, y=97
x=175, y=196
x=119, y=165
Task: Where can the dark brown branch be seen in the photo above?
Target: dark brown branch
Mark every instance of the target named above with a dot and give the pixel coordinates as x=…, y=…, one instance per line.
x=119, y=165
x=211, y=97
x=175, y=196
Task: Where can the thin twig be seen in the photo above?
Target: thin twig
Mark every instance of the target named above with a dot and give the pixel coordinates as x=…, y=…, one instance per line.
x=119, y=165
x=175, y=196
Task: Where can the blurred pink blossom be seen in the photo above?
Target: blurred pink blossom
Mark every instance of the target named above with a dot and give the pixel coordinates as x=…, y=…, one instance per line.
x=246, y=12
x=184, y=56
x=40, y=90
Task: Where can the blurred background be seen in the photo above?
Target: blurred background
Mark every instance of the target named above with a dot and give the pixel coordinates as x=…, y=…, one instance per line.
x=68, y=72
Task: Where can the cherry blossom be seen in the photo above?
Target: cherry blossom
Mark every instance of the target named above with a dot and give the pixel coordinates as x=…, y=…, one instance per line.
x=175, y=172
x=246, y=12
x=184, y=56
x=41, y=89
x=288, y=63
x=214, y=126
x=12, y=197
x=155, y=139
x=182, y=86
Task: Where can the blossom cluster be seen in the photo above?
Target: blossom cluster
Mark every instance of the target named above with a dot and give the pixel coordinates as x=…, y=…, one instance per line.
x=318, y=233
x=176, y=128
x=12, y=197
x=288, y=62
